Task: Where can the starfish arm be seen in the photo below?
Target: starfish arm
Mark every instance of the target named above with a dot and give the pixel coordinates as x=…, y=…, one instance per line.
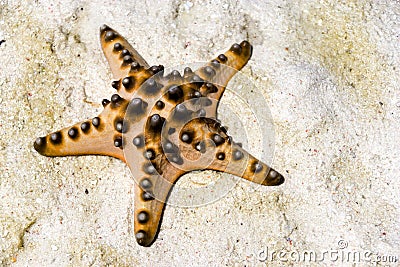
x=128, y=67
x=148, y=155
x=205, y=145
x=221, y=69
x=151, y=194
x=101, y=135
x=233, y=159
x=119, y=53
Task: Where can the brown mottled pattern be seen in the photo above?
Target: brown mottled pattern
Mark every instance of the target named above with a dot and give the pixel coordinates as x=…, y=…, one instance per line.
x=162, y=126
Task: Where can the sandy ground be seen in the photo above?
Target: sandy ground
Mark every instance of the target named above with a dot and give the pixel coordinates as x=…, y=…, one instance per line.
x=327, y=73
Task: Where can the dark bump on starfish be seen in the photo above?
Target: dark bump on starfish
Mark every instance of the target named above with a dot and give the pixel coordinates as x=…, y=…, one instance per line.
x=110, y=35
x=160, y=105
x=145, y=183
x=221, y=156
x=200, y=146
x=127, y=59
x=138, y=106
x=73, y=133
x=187, y=72
x=272, y=174
x=141, y=237
x=118, y=142
x=118, y=47
x=40, y=144
x=156, y=69
x=196, y=94
x=187, y=137
x=273, y=178
x=209, y=71
x=149, y=154
x=125, y=52
x=105, y=102
x=215, y=63
x=96, y=122
x=127, y=82
x=196, y=79
x=104, y=28
x=120, y=126
x=171, y=130
x=176, y=159
x=116, y=100
x=143, y=217
x=222, y=58
x=138, y=141
x=223, y=129
x=181, y=113
x=211, y=88
x=237, y=155
x=153, y=69
x=146, y=196
x=169, y=147
x=85, y=127
x=175, y=93
x=230, y=138
x=218, y=140
x=135, y=66
x=256, y=167
x=151, y=87
x=56, y=138
x=175, y=75
x=216, y=123
x=149, y=168
x=245, y=44
x=156, y=122
x=115, y=85
x=201, y=112
x=236, y=48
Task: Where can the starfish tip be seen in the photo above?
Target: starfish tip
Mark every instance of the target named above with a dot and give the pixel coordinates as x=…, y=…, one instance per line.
x=273, y=178
x=104, y=27
x=39, y=144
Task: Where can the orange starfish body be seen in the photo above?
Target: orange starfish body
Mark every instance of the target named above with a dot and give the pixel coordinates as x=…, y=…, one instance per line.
x=162, y=126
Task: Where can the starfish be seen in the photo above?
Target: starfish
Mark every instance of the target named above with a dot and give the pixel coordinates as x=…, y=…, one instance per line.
x=162, y=126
